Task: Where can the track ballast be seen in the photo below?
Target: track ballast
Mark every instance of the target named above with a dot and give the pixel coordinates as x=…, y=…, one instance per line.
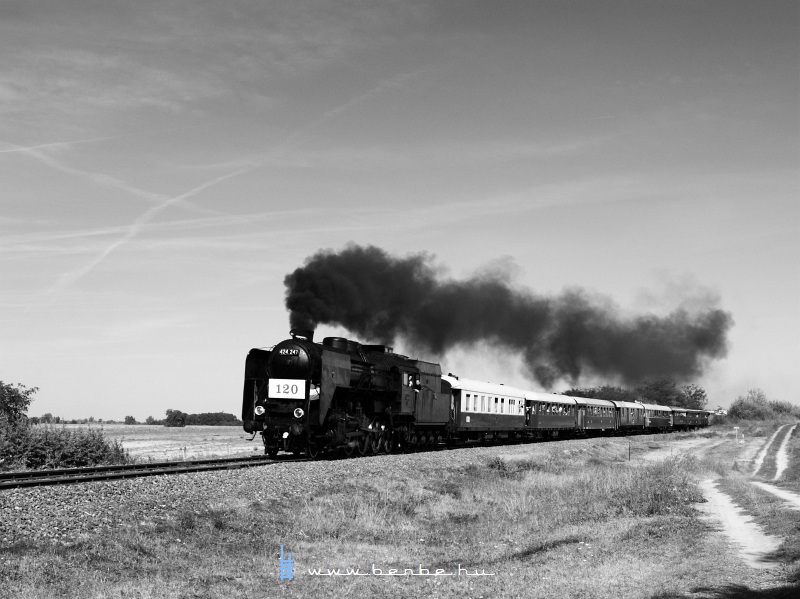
x=66, y=476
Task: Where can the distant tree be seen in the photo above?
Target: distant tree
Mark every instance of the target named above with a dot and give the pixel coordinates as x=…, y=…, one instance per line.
x=46, y=418
x=607, y=392
x=663, y=391
x=151, y=420
x=15, y=401
x=694, y=397
x=130, y=420
x=175, y=418
x=784, y=408
x=753, y=406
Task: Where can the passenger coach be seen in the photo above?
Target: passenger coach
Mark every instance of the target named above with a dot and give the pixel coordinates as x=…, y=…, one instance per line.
x=549, y=414
x=479, y=408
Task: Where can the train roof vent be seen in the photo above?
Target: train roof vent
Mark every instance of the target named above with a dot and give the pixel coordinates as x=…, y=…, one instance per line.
x=336, y=343
x=382, y=349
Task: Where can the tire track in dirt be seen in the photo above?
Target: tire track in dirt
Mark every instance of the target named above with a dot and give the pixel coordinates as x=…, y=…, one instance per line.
x=748, y=539
x=752, y=544
x=763, y=453
x=782, y=458
x=792, y=498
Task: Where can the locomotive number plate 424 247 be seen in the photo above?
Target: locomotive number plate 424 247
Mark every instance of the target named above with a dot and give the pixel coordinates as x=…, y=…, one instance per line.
x=287, y=389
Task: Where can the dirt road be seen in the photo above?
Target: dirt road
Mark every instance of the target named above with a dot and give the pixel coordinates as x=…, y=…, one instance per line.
x=748, y=539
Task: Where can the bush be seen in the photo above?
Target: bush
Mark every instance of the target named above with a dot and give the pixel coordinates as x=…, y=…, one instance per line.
x=23, y=447
x=756, y=406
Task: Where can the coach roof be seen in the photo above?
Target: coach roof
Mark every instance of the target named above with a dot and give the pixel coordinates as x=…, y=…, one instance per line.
x=473, y=386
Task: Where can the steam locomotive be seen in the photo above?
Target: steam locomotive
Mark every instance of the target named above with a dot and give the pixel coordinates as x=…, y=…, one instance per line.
x=307, y=397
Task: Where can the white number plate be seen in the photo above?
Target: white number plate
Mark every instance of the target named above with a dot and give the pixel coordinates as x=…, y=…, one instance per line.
x=287, y=389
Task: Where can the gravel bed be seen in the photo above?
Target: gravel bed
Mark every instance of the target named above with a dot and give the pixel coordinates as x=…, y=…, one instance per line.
x=69, y=512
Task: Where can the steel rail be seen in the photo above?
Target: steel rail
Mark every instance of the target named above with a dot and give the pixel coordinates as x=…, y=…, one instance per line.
x=33, y=478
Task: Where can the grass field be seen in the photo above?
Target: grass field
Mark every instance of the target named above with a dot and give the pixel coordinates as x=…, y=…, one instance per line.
x=156, y=442
x=554, y=520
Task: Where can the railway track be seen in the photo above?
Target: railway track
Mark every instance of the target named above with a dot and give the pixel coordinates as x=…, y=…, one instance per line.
x=66, y=476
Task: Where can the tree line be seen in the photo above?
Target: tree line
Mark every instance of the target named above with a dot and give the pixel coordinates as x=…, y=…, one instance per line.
x=176, y=418
x=662, y=391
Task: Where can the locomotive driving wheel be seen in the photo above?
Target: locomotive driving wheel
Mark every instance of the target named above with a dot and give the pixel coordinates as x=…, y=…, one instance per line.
x=375, y=443
x=313, y=451
x=364, y=445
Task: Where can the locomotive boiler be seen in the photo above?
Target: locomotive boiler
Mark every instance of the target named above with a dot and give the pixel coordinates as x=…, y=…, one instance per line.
x=308, y=397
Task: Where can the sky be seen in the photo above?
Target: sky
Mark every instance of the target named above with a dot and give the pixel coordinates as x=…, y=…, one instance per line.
x=165, y=164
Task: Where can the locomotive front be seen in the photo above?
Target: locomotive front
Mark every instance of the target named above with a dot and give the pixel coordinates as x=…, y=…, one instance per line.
x=286, y=401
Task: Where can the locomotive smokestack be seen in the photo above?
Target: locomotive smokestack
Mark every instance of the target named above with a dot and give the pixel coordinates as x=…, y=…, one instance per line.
x=308, y=334
x=380, y=297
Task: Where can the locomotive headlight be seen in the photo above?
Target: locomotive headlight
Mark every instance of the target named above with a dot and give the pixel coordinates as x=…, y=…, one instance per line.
x=298, y=412
x=259, y=410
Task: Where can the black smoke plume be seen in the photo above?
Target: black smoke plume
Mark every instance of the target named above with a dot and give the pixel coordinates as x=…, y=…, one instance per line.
x=380, y=297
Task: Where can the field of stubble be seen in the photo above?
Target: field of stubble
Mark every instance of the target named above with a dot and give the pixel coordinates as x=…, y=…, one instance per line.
x=158, y=443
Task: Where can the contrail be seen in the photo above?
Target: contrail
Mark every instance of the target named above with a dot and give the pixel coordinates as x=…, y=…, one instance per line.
x=296, y=138
x=69, y=278
x=98, y=178
x=54, y=144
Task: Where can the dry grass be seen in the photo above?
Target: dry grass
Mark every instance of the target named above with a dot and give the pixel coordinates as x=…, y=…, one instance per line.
x=158, y=443
x=578, y=520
